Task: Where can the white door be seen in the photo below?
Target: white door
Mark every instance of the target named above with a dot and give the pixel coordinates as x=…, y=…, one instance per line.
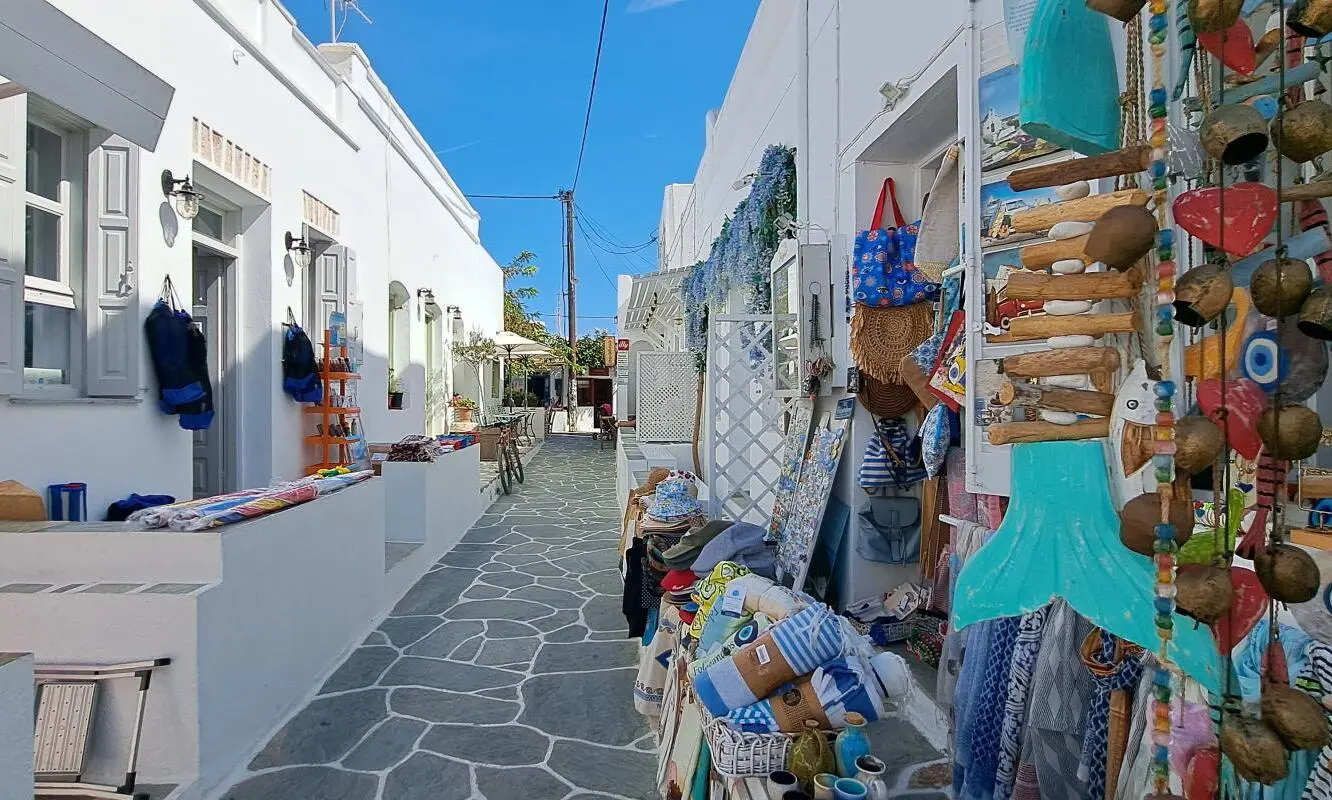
x=211, y=309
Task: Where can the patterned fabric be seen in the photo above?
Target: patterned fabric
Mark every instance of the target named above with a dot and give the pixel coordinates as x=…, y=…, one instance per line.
x=793, y=457
x=1115, y=665
x=1025, y=650
x=709, y=589
x=979, y=771
x=839, y=686
x=975, y=650
x=961, y=504
x=1061, y=689
x=892, y=458
x=1316, y=680
x=654, y=660
x=935, y=435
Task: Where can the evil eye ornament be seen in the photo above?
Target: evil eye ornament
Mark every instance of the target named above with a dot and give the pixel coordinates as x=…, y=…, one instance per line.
x=1264, y=362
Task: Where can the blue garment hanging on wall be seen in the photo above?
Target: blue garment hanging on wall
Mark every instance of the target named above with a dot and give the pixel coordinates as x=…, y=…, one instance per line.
x=1049, y=547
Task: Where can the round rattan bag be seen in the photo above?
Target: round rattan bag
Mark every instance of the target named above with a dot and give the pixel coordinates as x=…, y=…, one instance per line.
x=880, y=339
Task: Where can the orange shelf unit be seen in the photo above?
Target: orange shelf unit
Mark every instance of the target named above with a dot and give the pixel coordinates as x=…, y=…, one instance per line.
x=331, y=451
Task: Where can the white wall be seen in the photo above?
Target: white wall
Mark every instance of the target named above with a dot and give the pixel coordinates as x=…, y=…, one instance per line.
x=329, y=130
x=16, y=705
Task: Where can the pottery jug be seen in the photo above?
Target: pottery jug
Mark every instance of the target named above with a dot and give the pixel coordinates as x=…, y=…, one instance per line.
x=810, y=754
x=852, y=743
x=870, y=771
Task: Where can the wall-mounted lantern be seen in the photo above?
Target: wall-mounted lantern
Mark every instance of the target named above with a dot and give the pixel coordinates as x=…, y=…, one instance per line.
x=187, y=199
x=300, y=251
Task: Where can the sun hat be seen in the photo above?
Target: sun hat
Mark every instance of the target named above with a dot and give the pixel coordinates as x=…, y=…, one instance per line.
x=684, y=553
x=672, y=502
x=1315, y=616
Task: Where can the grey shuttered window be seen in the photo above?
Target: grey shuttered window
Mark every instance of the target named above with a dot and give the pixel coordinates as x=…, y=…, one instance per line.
x=13, y=128
x=111, y=276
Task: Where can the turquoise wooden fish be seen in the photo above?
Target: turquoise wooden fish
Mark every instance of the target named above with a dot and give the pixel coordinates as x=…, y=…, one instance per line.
x=1047, y=547
x=1077, y=109
x=1188, y=45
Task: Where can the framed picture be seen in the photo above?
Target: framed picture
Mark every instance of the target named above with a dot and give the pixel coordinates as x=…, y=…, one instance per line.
x=1003, y=143
x=998, y=204
x=994, y=262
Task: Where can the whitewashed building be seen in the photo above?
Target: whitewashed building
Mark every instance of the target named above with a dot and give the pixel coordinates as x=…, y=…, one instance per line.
x=291, y=147
x=279, y=137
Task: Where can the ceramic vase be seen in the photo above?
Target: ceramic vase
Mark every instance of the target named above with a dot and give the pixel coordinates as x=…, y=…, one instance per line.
x=823, y=786
x=781, y=782
x=810, y=754
x=851, y=744
x=849, y=789
x=870, y=771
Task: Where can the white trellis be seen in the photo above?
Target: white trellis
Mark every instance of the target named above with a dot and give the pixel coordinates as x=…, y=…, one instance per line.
x=746, y=440
x=667, y=389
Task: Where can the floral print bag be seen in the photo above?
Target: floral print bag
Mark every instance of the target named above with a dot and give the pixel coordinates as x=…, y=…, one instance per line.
x=884, y=270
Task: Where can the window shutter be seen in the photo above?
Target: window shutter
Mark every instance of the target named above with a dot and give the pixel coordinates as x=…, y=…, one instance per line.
x=13, y=160
x=353, y=286
x=111, y=296
x=330, y=276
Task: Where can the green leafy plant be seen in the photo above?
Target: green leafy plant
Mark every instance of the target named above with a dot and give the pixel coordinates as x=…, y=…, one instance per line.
x=463, y=403
x=394, y=385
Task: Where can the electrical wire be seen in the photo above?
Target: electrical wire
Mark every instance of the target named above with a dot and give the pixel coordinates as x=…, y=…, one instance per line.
x=596, y=259
x=512, y=196
x=591, y=95
x=611, y=239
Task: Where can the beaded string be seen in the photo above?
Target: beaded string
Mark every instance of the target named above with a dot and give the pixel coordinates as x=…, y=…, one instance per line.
x=1163, y=459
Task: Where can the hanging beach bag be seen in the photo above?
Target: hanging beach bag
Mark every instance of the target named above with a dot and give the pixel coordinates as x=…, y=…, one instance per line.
x=884, y=263
x=300, y=369
x=892, y=459
x=888, y=530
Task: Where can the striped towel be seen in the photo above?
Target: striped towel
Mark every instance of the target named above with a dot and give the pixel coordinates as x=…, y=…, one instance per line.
x=791, y=649
x=840, y=686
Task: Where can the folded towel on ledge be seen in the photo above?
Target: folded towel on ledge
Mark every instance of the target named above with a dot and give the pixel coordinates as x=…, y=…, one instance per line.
x=837, y=687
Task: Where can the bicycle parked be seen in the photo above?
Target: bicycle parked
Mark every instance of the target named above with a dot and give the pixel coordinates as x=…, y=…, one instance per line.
x=508, y=460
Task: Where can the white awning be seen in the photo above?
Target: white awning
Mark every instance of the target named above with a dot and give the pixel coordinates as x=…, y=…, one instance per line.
x=654, y=300
x=45, y=51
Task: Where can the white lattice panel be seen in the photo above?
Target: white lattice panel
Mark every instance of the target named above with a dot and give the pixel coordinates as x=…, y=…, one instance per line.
x=667, y=390
x=747, y=438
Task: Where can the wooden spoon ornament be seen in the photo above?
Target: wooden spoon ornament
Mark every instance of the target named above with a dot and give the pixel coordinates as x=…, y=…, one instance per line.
x=1238, y=225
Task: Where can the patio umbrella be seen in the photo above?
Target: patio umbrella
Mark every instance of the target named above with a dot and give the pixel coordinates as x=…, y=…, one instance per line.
x=516, y=346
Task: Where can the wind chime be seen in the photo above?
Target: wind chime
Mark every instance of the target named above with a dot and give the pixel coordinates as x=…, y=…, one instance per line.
x=1282, y=364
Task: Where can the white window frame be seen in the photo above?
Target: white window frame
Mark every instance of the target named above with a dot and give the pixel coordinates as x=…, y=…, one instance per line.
x=227, y=245
x=66, y=293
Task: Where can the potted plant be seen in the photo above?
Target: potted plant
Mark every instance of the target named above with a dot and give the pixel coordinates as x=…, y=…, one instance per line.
x=395, y=393
x=463, y=406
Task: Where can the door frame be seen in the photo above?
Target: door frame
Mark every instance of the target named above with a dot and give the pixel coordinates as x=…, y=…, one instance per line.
x=228, y=253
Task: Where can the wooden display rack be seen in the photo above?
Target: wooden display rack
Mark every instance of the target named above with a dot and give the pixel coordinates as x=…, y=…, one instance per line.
x=324, y=443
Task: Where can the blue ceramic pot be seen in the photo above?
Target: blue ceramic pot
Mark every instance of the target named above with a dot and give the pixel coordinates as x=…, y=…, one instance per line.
x=852, y=743
x=849, y=789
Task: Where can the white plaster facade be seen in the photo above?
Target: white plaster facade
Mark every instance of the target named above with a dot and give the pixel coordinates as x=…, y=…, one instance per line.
x=311, y=123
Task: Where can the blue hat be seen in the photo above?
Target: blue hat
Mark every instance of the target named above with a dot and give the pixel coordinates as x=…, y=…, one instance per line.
x=673, y=502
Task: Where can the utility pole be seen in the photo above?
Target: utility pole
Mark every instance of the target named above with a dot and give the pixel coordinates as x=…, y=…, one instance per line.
x=567, y=198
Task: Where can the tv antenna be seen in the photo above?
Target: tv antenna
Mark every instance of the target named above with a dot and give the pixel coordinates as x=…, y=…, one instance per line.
x=338, y=12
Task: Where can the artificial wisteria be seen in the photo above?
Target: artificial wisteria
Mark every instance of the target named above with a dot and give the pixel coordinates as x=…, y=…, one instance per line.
x=742, y=252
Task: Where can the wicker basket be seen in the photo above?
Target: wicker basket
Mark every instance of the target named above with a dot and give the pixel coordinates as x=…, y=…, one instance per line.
x=747, y=755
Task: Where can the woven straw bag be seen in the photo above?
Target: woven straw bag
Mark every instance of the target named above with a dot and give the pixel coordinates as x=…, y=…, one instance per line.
x=880, y=339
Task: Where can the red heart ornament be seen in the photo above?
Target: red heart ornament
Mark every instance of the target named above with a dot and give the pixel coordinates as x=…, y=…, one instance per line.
x=1238, y=228
x=1202, y=776
x=1234, y=46
x=1245, y=403
x=1250, y=605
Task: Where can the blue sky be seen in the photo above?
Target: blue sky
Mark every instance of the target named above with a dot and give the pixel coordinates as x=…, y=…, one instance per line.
x=499, y=89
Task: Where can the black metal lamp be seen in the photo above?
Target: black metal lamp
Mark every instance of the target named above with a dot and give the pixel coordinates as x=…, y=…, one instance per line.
x=187, y=199
x=300, y=251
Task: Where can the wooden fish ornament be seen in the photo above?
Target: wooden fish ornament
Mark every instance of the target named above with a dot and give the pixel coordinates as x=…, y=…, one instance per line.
x=1234, y=46
x=1233, y=218
x=1130, y=424
x=1075, y=109
x=1286, y=359
x=1245, y=402
x=1313, y=215
x=1188, y=44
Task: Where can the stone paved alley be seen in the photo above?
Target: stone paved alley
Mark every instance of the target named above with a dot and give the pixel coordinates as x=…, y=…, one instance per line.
x=503, y=674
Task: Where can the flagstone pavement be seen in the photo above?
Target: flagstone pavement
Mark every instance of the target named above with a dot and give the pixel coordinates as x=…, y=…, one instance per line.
x=504, y=673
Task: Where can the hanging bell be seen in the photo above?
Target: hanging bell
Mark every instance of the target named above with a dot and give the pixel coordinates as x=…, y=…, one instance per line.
x=1122, y=10
x=1290, y=432
x=1234, y=134
x=1304, y=132
x=1311, y=18
x=1202, y=294
x=1316, y=315
x=1279, y=286
x=1198, y=442
x=1121, y=236
x=1213, y=16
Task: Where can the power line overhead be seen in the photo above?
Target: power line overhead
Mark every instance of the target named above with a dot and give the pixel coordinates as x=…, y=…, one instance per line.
x=591, y=95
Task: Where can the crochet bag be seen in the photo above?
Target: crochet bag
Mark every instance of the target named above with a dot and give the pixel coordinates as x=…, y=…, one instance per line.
x=891, y=457
x=884, y=268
